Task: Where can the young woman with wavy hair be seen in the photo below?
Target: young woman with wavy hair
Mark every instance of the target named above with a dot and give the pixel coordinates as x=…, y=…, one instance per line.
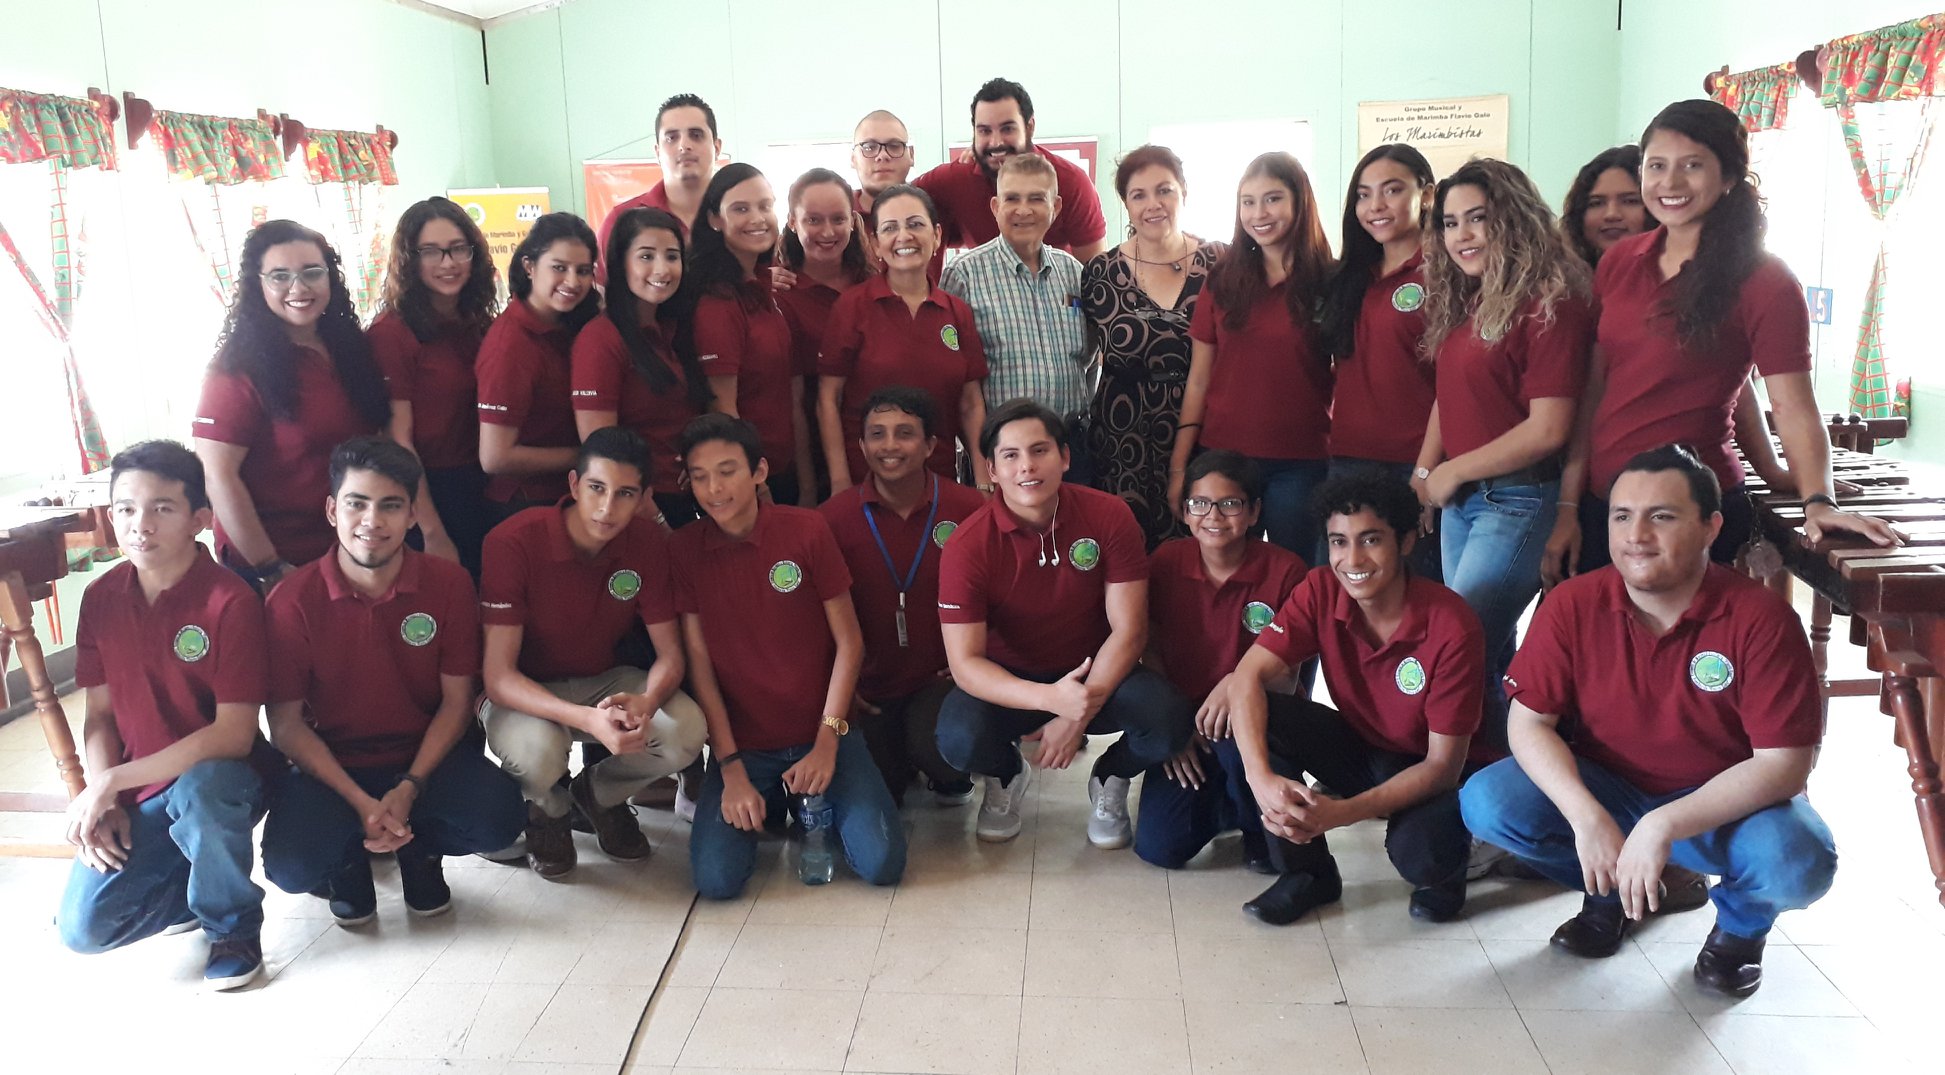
x=293, y=377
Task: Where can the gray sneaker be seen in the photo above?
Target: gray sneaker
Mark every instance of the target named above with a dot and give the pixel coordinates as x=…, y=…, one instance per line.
x=1000, y=810
x=1107, y=825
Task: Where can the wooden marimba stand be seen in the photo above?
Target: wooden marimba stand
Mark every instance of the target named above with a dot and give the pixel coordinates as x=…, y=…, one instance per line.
x=33, y=554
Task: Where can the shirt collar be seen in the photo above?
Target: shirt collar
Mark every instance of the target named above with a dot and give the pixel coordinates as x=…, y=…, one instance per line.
x=1009, y=523
x=878, y=289
x=560, y=543
x=1412, y=626
x=713, y=538
x=1711, y=601
x=1254, y=568
x=1412, y=264
x=1017, y=264
x=529, y=322
x=338, y=588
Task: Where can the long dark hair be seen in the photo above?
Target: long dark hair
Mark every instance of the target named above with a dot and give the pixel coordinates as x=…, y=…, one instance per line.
x=548, y=230
x=1731, y=245
x=856, y=265
x=255, y=345
x=628, y=323
x=1573, y=212
x=1362, y=254
x=407, y=296
x=1239, y=279
x=712, y=268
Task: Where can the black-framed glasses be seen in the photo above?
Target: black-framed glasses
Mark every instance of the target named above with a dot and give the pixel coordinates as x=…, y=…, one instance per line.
x=459, y=253
x=893, y=148
x=1229, y=506
x=282, y=279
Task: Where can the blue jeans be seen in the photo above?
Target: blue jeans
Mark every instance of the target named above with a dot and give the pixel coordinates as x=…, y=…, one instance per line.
x=1780, y=858
x=864, y=820
x=1493, y=542
x=468, y=805
x=979, y=737
x=1288, y=517
x=1178, y=822
x=1425, y=560
x=189, y=856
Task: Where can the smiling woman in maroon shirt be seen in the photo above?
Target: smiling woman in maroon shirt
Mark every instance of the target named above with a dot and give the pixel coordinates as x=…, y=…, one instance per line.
x=293, y=376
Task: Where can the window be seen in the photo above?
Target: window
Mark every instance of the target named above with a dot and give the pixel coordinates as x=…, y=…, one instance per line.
x=1214, y=156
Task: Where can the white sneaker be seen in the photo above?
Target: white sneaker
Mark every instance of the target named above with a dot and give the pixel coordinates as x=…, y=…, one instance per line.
x=1000, y=809
x=1484, y=857
x=685, y=807
x=1107, y=826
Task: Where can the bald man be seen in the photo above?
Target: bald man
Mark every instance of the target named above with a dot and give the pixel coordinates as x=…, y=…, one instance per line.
x=881, y=154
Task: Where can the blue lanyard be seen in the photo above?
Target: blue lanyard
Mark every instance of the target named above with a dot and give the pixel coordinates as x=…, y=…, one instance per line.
x=911, y=576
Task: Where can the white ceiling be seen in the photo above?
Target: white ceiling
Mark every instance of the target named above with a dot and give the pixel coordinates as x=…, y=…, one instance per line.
x=481, y=9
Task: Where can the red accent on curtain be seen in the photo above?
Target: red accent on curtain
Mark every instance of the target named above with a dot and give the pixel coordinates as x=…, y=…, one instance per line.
x=218, y=150
x=73, y=132
x=1892, y=63
x=1760, y=98
x=349, y=157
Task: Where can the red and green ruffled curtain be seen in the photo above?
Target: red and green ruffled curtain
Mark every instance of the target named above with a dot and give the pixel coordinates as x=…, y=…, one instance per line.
x=218, y=150
x=71, y=132
x=1899, y=63
x=1760, y=98
x=349, y=157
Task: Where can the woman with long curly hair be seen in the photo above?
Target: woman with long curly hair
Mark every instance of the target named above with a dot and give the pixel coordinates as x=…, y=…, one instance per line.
x=1508, y=328
x=1259, y=372
x=628, y=370
x=1686, y=312
x=527, y=437
x=441, y=293
x=292, y=378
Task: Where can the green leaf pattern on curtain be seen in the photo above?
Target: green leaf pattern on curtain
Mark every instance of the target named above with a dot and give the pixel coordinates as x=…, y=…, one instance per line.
x=1895, y=63
x=348, y=157
x=1760, y=98
x=1881, y=182
x=218, y=150
x=70, y=131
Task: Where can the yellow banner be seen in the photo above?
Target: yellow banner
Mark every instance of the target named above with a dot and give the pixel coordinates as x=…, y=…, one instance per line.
x=504, y=214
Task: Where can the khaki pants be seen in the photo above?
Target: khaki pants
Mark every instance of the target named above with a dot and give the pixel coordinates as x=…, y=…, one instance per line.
x=534, y=750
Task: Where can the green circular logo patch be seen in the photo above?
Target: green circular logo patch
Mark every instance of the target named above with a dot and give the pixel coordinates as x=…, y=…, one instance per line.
x=1408, y=297
x=1410, y=676
x=1711, y=671
x=949, y=336
x=943, y=531
x=418, y=628
x=623, y=585
x=786, y=576
x=1085, y=554
x=1256, y=616
x=192, y=643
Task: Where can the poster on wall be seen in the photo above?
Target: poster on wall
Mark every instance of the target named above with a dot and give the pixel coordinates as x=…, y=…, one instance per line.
x=504, y=214
x=608, y=183
x=1448, y=130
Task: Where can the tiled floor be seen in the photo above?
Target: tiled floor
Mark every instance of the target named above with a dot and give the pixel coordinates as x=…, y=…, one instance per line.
x=1039, y=956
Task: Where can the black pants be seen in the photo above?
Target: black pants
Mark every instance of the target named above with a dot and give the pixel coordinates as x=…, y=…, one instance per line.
x=903, y=738
x=1738, y=522
x=1426, y=841
x=459, y=495
x=978, y=736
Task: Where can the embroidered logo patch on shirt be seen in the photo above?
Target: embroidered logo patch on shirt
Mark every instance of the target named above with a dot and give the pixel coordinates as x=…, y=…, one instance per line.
x=1408, y=297
x=949, y=336
x=1085, y=554
x=418, y=629
x=1711, y=671
x=943, y=531
x=786, y=576
x=192, y=643
x=1256, y=616
x=1410, y=676
x=623, y=585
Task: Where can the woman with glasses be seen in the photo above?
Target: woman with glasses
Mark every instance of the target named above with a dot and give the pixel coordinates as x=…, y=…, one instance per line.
x=293, y=377
x=1139, y=298
x=441, y=294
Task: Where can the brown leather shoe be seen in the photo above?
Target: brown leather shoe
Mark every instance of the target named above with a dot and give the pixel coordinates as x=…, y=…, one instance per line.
x=1730, y=964
x=615, y=827
x=550, y=843
x=1682, y=889
x=1595, y=933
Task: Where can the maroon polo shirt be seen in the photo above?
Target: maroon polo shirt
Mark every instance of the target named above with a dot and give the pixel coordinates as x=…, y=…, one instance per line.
x=604, y=379
x=1201, y=629
x=1383, y=397
x=436, y=377
x=168, y=665
x=573, y=610
x=1486, y=388
x=1269, y=387
x=1042, y=619
x=1733, y=676
x=875, y=340
x=368, y=670
x=288, y=466
x=524, y=382
x=755, y=348
x=655, y=197
x=761, y=603
x=891, y=670
x=1429, y=677
x=1660, y=391
x=806, y=309
x=964, y=195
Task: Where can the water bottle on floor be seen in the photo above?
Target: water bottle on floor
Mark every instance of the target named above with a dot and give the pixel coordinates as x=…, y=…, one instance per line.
x=814, y=860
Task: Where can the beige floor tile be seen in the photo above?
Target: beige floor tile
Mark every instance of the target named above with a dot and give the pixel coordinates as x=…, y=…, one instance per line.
x=430, y=1021
x=973, y=899
x=1210, y=903
x=800, y=957
x=1288, y=968
x=1623, y=1043
x=544, y=953
x=671, y=1015
x=391, y=949
x=1792, y=985
x=700, y=953
x=626, y=953
x=922, y=1034
x=586, y=1024
x=1095, y=963
x=1540, y=977
x=1379, y=912
x=1419, y=974
x=1415, y=1041
x=1518, y=910
x=508, y=1012
x=957, y=848
x=846, y=901
x=1884, y=982
x=1070, y=1035
x=371, y=1066
x=808, y=1029
x=1804, y=1045
x=949, y=960
x=1250, y=1037
x=1134, y=903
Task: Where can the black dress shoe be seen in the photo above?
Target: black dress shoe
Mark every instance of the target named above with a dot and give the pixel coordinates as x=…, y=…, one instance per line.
x=1682, y=889
x=1295, y=895
x=550, y=843
x=1595, y=933
x=1440, y=902
x=1729, y=964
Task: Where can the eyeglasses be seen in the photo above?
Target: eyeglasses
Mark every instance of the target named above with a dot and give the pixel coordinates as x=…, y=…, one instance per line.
x=871, y=147
x=1230, y=506
x=282, y=279
x=460, y=253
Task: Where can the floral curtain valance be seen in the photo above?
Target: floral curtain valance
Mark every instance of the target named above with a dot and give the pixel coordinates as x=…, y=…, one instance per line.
x=70, y=131
x=349, y=157
x=1760, y=98
x=1892, y=64
x=218, y=150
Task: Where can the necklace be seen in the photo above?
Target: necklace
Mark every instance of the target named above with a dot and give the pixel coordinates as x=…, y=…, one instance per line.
x=1176, y=264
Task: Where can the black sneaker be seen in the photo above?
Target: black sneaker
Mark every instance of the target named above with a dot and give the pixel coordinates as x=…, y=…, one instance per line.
x=423, y=877
x=353, y=900
x=550, y=843
x=1439, y=903
x=1295, y=895
x=615, y=827
x=234, y=962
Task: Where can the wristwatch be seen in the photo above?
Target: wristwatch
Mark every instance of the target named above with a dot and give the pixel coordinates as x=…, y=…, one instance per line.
x=837, y=724
x=1421, y=474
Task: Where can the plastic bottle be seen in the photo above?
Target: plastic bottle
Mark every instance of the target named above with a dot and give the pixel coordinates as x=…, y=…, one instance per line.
x=814, y=862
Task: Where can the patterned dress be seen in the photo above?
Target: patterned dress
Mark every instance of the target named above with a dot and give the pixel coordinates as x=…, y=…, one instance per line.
x=1145, y=366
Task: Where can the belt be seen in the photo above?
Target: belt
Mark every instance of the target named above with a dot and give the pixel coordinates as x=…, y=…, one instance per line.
x=1545, y=470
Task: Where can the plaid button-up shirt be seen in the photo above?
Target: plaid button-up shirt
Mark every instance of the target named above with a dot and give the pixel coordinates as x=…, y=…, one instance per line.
x=1031, y=323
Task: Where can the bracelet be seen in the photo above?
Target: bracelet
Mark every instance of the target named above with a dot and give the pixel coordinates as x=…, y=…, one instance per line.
x=1188, y=425
x=1567, y=504
x=733, y=756
x=408, y=778
x=1822, y=498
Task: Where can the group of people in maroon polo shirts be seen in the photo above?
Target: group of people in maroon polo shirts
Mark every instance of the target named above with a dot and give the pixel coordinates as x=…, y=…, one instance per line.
x=953, y=595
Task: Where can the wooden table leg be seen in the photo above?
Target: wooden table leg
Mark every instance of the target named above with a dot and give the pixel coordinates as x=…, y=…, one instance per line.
x=17, y=615
x=1820, y=650
x=1908, y=709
